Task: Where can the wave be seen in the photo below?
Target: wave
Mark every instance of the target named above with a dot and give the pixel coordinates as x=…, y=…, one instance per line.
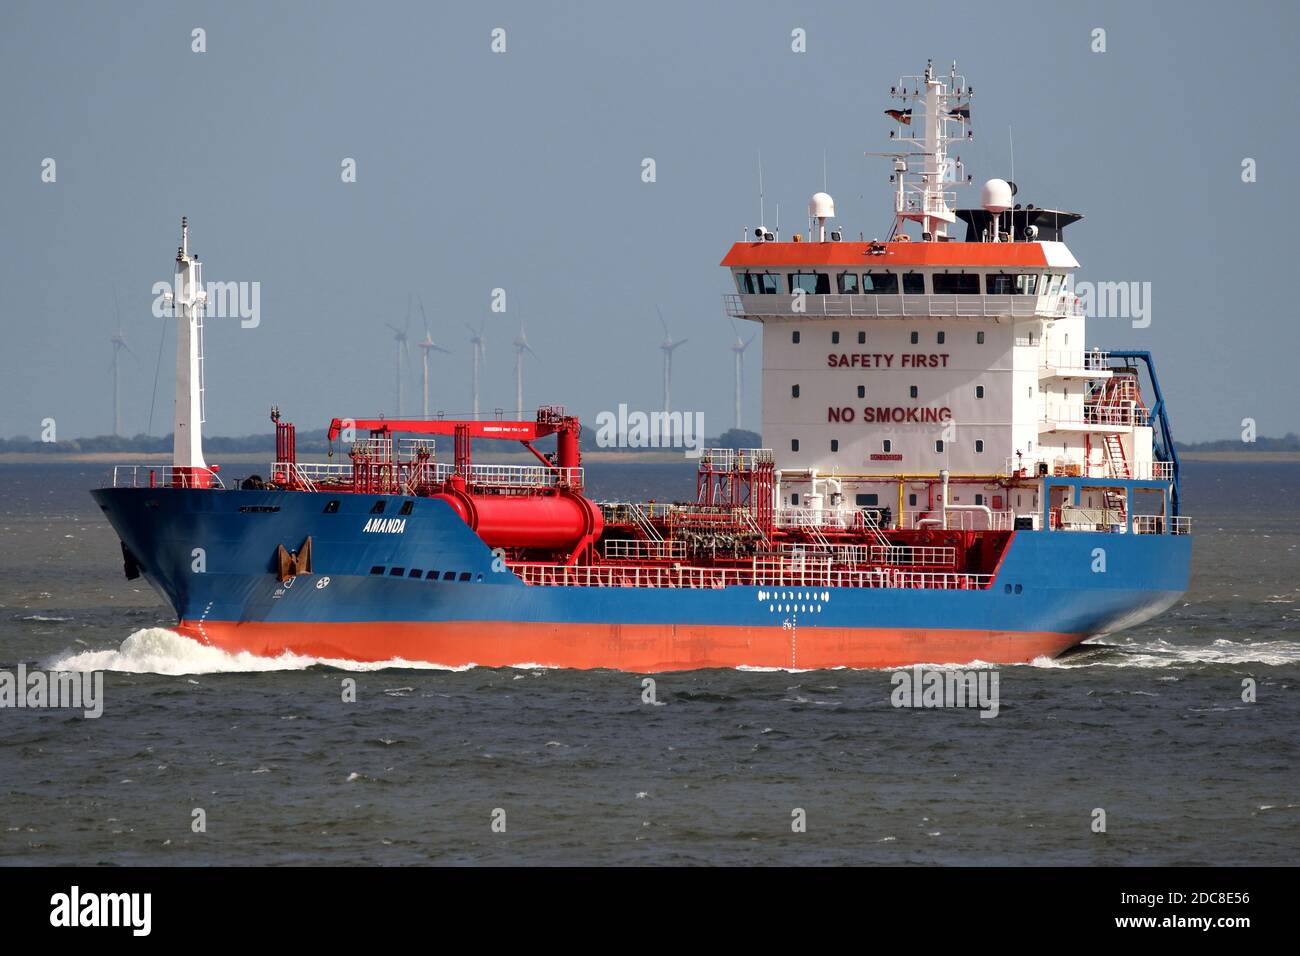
x=157, y=650
x=1161, y=653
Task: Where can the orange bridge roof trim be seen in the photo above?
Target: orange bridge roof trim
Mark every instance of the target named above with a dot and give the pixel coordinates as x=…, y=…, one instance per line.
x=896, y=254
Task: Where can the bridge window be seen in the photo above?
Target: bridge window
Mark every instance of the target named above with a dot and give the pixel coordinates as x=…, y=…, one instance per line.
x=1055, y=287
x=880, y=283
x=848, y=283
x=769, y=283
x=813, y=283
x=1027, y=284
x=1000, y=284
x=956, y=283
x=913, y=283
x=746, y=283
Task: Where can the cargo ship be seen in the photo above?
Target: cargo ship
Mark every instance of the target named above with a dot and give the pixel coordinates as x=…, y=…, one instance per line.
x=949, y=476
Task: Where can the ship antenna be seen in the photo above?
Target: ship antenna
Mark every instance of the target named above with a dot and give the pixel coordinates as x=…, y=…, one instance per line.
x=762, y=219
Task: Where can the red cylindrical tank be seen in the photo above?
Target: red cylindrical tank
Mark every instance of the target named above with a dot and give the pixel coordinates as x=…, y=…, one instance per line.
x=527, y=521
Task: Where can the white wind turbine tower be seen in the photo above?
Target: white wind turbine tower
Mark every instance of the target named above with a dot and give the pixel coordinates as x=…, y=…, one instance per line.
x=119, y=345
x=403, y=353
x=427, y=346
x=738, y=347
x=668, y=346
x=521, y=346
x=480, y=353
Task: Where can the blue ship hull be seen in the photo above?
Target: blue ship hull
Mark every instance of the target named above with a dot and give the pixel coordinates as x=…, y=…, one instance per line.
x=212, y=556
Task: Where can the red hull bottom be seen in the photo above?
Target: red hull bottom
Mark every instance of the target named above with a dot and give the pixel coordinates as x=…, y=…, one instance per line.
x=627, y=647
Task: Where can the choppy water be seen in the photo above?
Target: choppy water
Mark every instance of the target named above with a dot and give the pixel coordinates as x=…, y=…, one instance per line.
x=1149, y=727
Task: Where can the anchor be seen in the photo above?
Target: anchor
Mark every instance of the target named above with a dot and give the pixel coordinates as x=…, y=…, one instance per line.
x=292, y=563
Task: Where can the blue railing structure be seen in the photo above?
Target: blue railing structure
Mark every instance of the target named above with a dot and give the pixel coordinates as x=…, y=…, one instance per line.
x=1163, y=443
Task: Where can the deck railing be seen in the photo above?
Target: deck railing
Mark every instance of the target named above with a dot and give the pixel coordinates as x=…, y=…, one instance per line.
x=894, y=306
x=165, y=476
x=762, y=573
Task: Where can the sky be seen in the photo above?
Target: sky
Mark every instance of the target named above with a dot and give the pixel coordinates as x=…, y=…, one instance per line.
x=479, y=170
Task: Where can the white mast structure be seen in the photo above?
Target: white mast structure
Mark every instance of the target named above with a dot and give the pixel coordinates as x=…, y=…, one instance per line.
x=188, y=302
x=945, y=116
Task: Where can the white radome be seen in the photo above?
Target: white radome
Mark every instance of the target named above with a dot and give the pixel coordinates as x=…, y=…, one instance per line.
x=996, y=195
x=821, y=206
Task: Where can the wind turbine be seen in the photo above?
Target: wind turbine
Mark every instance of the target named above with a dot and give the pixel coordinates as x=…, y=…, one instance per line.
x=403, y=351
x=119, y=345
x=739, y=347
x=521, y=346
x=668, y=346
x=480, y=353
x=427, y=346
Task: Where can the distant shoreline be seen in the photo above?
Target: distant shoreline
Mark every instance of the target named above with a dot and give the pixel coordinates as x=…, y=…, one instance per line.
x=108, y=458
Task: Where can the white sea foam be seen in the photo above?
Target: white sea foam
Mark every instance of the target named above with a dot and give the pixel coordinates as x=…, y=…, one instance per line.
x=1161, y=653
x=157, y=650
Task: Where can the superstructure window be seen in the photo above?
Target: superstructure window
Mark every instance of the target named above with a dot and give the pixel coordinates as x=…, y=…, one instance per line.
x=911, y=500
x=862, y=391
x=415, y=573
x=956, y=283
x=835, y=338
x=939, y=338
x=794, y=444
x=979, y=446
x=867, y=501
x=813, y=283
x=979, y=338
x=913, y=283
x=431, y=576
x=912, y=391
x=835, y=444
x=916, y=337
x=396, y=572
x=862, y=338
x=1027, y=284
x=848, y=283
x=880, y=283
x=979, y=391
x=1000, y=284
x=794, y=336
x=794, y=391
x=887, y=446
x=938, y=446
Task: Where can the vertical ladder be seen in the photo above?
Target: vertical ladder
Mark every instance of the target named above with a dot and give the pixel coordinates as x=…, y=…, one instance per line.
x=1118, y=469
